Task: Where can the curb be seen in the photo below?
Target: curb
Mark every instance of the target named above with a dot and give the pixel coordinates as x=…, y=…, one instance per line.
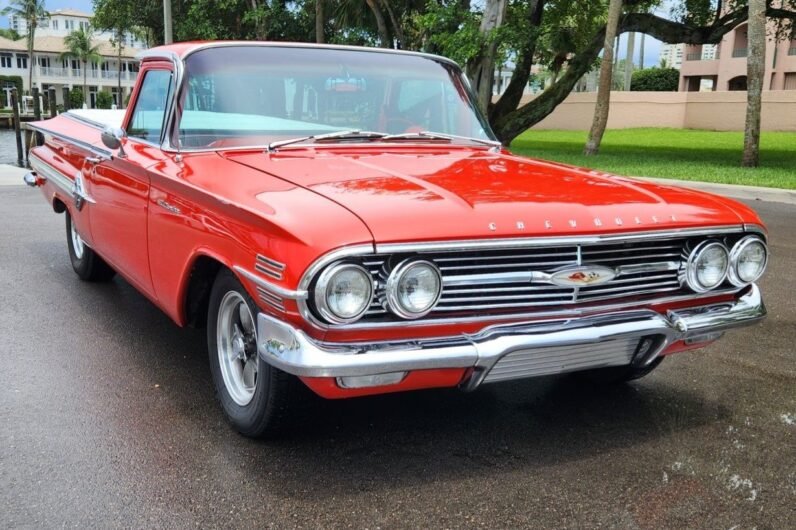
x=736, y=191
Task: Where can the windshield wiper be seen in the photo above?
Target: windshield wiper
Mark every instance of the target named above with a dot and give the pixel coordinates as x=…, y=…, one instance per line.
x=337, y=135
x=442, y=136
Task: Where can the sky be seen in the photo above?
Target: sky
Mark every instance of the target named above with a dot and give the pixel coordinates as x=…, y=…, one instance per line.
x=651, y=46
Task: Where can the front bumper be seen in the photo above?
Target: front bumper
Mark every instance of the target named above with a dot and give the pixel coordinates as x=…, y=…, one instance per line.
x=536, y=348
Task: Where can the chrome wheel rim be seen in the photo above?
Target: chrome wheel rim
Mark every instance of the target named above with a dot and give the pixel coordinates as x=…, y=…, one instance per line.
x=77, y=242
x=236, y=340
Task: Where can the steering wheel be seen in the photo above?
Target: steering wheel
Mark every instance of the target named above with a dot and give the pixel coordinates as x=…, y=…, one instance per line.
x=399, y=125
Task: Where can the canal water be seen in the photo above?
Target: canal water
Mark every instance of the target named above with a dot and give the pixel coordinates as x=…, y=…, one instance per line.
x=8, y=147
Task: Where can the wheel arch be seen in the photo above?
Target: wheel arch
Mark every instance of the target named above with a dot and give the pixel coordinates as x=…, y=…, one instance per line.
x=197, y=283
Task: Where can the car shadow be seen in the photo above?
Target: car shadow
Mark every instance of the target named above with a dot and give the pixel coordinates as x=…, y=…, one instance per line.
x=390, y=441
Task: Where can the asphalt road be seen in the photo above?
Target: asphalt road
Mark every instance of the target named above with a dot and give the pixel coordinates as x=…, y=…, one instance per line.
x=107, y=419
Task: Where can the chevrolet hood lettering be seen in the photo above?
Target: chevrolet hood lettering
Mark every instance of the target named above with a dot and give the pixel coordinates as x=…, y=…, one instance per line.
x=582, y=276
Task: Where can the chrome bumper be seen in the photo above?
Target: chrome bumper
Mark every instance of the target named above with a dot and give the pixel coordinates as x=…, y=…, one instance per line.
x=292, y=351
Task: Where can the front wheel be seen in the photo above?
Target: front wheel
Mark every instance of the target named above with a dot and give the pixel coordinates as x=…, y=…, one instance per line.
x=252, y=393
x=86, y=263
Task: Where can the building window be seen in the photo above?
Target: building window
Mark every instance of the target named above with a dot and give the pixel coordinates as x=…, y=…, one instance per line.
x=44, y=62
x=5, y=60
x=55, y=23
x=790, y=81
x=22, y=60
x=43, y=22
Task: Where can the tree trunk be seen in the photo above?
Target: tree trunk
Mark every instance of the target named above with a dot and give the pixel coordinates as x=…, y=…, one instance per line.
x=631, y=52
x=641, y=53
x=319, y=21
x=119, y=98
x=31, y=34
x=604, y=87
x=85, y=85
x=512, y=122
x=522, y=70
x=384, y=35
x=755, y=73
x=396, y=24
x=481, y=70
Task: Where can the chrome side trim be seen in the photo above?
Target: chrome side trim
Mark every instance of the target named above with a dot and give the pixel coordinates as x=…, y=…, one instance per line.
x=291, y=350
x=509, y=243
x=270, y=287
x=43, y=169
x=102, y=153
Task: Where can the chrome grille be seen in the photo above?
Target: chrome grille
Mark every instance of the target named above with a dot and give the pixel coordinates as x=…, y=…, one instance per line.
x=561, y=359
x=502, y=279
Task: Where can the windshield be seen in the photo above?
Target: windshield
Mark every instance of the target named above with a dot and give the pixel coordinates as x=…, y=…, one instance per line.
x=256, y=95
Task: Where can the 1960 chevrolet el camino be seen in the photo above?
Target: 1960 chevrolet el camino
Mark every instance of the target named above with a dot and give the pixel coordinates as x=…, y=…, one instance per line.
x=346, y=217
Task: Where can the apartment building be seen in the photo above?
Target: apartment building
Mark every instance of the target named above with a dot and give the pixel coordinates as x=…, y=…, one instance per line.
x=50, y=71
x=725, y=67
x=672, y=55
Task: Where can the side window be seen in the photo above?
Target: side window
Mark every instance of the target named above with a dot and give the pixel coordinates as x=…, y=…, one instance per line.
x=150, y=106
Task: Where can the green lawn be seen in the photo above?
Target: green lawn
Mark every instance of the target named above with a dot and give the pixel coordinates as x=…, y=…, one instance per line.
x=671, y=153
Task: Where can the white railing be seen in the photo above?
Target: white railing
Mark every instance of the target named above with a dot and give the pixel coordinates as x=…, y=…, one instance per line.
x=48, y=71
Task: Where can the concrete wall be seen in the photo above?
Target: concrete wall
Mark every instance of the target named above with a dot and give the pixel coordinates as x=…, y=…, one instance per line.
x=721, y=111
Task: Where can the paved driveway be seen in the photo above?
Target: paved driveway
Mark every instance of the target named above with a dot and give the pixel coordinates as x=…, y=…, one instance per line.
x=107, y=418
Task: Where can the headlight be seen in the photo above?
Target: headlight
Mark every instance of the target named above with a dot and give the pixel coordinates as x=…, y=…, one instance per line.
x=343, y=293
x=707, y=266
x=747, y=260
x=413, y=288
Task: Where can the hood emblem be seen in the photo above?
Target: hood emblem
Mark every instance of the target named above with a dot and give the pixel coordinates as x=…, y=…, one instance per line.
x=583, y=276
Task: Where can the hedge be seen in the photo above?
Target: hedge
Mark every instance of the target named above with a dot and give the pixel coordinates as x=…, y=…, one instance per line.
x=655, y=80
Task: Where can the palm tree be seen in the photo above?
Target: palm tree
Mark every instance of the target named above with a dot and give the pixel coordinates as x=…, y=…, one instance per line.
x=79, y=47
x=30, y=11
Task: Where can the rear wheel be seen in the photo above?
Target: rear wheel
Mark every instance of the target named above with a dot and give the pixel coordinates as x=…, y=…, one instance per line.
x=86, y=263
x=618, y=374
x=252, y=393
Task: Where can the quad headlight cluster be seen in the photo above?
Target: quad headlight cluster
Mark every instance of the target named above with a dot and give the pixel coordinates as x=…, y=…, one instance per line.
x=711, y=262
x=344, y=292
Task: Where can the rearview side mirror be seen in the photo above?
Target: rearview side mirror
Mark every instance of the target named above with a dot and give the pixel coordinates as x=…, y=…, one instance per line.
x=112, y=138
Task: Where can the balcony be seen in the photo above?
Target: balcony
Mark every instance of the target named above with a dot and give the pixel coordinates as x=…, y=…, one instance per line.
x=693, y=56
x=48, y=71
x=740, y=52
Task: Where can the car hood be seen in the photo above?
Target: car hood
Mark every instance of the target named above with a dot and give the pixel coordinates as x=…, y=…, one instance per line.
x=458, y=193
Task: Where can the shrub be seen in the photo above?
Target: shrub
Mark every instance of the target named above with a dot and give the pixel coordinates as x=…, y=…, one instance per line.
x=655, y=80
x=76, y=98
x=104, y=99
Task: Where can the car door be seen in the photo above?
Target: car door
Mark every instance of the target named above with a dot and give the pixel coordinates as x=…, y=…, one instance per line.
x=121, y=185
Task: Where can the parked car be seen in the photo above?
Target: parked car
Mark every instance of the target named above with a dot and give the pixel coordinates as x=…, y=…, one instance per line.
x=345, y=217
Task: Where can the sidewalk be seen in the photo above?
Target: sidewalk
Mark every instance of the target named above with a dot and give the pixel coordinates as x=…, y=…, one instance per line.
x=736, y=191
x=11, y=175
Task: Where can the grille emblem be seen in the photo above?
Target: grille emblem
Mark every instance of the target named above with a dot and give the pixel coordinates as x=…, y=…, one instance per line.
x=583, y=276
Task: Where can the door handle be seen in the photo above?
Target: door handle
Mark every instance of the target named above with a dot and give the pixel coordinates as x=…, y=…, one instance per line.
x=93, y=159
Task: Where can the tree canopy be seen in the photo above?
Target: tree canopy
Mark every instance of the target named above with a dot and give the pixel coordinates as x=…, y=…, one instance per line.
x=565, y=36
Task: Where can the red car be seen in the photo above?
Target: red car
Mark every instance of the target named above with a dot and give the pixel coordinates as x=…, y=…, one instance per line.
x=345, y=217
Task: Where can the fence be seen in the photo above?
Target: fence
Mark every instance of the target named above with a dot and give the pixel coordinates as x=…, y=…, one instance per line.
x=721, y=111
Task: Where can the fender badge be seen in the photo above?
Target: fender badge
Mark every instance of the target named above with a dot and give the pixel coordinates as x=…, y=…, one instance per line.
x=583, y=276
